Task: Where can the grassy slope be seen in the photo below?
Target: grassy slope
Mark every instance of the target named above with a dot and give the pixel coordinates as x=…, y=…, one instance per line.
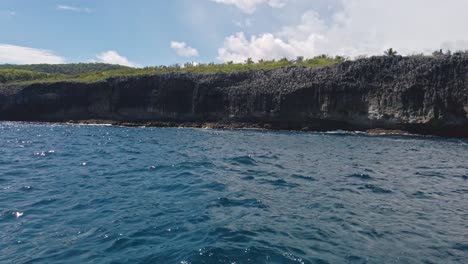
x=21, y=76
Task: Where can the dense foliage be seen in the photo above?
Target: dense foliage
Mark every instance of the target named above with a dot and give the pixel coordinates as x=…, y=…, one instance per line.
x=87, y=72
x=15, y=75
x=66, y=69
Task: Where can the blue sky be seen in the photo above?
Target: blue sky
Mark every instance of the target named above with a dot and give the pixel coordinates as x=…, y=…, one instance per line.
x=148, y=32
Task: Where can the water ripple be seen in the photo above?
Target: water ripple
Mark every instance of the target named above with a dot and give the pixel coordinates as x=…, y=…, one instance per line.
x=100, y=194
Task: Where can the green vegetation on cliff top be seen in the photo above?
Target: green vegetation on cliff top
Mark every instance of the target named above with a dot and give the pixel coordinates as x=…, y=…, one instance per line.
x=65, y=69
x=91, y=72
x=16, y=75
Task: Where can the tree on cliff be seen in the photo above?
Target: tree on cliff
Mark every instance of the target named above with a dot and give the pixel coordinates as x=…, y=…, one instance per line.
x=390, y=52
x=438, y=53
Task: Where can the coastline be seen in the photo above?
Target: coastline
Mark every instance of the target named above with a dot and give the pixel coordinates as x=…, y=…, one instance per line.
x=397, y=97
x=230, y=125
x=246, y=125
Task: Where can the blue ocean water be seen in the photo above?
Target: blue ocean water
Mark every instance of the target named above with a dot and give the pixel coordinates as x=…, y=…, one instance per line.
x=98, y=194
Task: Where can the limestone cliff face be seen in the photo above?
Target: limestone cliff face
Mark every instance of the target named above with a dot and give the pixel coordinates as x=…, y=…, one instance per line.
x=423, y=95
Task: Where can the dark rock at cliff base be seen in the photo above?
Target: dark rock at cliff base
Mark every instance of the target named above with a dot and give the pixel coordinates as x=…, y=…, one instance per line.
x=414, y=94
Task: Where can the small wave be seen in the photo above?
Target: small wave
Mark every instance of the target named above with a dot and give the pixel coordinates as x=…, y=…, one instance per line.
x=185, y=174
x=18, y=214
x=303, y=177
x=342, y=132
x=233, y=236
x=461, y=191
x=431, y=174
x=461, y=246
x=43, y=202
x=345, y=190
x=375, y=189
x=90, y=124
x=280, y=183
x=146, y=232
x=243, y=160
x=371, y=233
x=84, y=235
x=271, y=157
x=162, y=167
x=355, y=259
x=420, y=195
x=13, y=214
x=248, y=203
x=214, y=186
x=26, y=188
x=245, y=255
x=44, y=153
x=79, y=206
x=361, y=176
x=126, y=243
x=176, y=187
x=186, y=165
x=384, y=133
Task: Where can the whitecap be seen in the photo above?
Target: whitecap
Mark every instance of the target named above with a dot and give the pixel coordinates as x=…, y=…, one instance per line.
x=18, y=214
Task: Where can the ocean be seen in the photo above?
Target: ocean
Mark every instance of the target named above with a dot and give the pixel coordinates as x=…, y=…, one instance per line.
x=102, y=194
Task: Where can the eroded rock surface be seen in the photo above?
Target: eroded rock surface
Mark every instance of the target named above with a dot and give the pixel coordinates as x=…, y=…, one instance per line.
x=421, y=95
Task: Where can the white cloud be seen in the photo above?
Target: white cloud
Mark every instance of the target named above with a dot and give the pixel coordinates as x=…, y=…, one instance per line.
x=183, y=50
x=249, y=6
x=360, y=27
x=24, y=55
x=112, y=57
x=238, y=48
x=277, y=3
x=74, y=9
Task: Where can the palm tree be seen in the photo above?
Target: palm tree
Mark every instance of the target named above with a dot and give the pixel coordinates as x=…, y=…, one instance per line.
x=390, y=52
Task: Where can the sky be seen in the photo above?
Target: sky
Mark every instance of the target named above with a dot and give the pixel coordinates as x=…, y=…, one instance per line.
x=142, y=33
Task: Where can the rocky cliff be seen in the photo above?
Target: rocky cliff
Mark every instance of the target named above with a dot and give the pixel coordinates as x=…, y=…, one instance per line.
x=421, y=95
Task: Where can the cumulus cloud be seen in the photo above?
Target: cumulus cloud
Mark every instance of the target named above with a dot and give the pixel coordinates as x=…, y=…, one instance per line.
x=112, y=57
x=74, y=9
x=360, y=27
x=183, y=50
x=249, y=6
x=25, y=55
